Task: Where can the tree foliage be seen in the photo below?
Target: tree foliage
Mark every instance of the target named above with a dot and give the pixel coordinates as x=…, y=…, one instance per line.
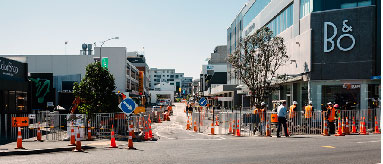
x=96, y=91
x=256, y=61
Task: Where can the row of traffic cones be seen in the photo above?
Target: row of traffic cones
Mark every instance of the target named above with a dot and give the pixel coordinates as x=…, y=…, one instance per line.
x=343, y=127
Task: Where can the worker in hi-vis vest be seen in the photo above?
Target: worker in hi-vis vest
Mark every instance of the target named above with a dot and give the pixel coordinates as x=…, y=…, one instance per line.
x=331, y=117
x=309, y=113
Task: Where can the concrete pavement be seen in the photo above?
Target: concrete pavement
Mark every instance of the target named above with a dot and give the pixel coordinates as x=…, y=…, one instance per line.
x=176, y=145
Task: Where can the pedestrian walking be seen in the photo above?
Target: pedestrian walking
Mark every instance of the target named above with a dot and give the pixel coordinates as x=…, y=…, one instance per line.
x=281, y=112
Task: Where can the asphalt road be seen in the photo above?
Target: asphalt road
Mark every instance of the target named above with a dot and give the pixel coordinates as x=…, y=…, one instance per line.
x=176, y=145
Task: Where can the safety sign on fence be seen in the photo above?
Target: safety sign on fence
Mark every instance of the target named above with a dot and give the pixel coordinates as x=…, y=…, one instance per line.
x=20, y=121
x=127, y=105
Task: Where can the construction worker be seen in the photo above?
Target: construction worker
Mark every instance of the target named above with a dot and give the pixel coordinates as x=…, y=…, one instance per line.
x=292, y=113
x=308, y=113
x=256, y=117
x=281, y=112
x=262, y=116
x=331, y=117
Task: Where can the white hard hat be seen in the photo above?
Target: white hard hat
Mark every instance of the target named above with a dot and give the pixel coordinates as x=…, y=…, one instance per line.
x=329, y=103
x=294, y=102
x=263, y=103
x=310, y=102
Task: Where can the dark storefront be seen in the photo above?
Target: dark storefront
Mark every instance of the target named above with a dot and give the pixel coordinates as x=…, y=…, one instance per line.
x=13, y=87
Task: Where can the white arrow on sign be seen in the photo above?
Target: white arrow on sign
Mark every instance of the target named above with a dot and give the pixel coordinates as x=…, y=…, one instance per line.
x=129, y=106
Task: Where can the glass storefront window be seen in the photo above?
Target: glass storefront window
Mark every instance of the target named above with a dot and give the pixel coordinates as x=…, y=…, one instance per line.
x=347, y=96
x=305, y=8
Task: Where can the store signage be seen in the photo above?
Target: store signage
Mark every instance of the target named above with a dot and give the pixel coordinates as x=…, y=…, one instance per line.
x=225, y=98
x=351, y=86
x=346, y=29
x=11, y=69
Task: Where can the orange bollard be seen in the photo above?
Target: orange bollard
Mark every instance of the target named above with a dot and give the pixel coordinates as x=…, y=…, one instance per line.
x=72, y=137
x=159, y=118
x=78, y=142
x=216, y=121
x=325, y=128
x=130, y=140
x=19, y=139
x=89, y=132
x=39, y=133
x=113, y=140
x=376, y=127
x=238, y=130
x=339, y=133
x=234, y=130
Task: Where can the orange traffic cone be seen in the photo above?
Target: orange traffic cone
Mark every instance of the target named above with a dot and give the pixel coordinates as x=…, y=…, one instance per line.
x=376, y=127
x=146, y=137
x=130, y=140
x=343, y=127
x=325, y=128
x=353, y=129
x=188, y=124
x=39, y=133
x=195, y=126
x=339, y=133
x=113, y=140
x=363, y=128
x=347, y=130
x=159, y=118
x=216, y=121
x=150, y=132
x=238, y=130
x=164, y=117
x=167, y=116
x=212, y=129
x=72, y=137
x=78, y=141
x=234, y=130
x=89, y=132
x=268, y=133
x=230, y=127
x=19, y=139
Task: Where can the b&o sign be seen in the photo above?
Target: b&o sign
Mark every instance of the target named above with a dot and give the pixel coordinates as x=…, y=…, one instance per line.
x=346, y=29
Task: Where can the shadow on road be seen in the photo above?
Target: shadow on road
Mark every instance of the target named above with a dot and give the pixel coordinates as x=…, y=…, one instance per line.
x=42, y=151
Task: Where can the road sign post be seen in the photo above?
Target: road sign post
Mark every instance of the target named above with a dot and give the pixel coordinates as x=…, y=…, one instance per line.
x=202, y=102
x=127, y=106
x=20, y=121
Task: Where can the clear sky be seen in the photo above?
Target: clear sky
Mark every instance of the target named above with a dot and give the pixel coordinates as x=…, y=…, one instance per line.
x=177, y=34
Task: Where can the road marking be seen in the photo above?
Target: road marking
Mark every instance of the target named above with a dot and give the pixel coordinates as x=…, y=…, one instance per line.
x=331, y=147
x=368, y=141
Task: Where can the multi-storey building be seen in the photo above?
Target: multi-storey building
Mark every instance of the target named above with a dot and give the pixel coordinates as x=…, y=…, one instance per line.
x=333, y=48
x=182, y=85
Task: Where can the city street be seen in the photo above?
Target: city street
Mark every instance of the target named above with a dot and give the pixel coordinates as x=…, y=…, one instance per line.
x=176, y=145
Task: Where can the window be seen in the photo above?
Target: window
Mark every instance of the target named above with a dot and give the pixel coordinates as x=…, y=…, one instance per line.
x=171, y=83
x=254, y=10
x=305, y=8
x=282, y=21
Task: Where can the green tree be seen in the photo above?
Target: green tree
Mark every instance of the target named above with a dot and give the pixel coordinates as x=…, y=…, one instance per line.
x=256, y=61
x=96, y=91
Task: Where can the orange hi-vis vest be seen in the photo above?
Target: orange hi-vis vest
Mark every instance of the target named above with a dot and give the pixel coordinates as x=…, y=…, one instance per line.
x=308, y=111
x=262, y=114
x=255, y=111
x=331, y=116
x=292, y=111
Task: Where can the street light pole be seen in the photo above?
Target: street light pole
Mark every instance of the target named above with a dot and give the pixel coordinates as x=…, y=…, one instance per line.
x=103, y=42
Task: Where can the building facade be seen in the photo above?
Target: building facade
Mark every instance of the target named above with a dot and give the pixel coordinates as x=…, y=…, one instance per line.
x=182, y=84
x=333, y=48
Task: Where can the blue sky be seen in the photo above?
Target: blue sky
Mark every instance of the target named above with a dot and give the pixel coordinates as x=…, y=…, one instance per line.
x=176, y=34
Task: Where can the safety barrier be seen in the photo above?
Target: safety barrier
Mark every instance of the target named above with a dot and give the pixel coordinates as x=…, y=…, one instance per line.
x=225, y=121
x=56, y=127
